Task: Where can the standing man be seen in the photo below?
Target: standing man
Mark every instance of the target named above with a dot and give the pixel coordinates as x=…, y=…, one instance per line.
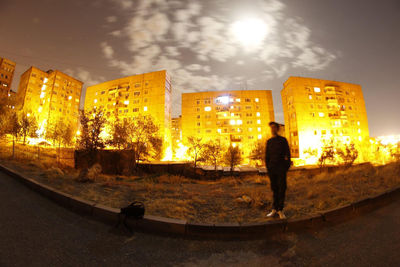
x=277, y=160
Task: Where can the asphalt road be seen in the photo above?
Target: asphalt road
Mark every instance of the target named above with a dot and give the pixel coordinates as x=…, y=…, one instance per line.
x=36, y=232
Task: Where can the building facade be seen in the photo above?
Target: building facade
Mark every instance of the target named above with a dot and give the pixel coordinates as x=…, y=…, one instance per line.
x=50, y=96
x=7, y=68
x=319, y=111
x=237, y=118
x=126, y=98
x=176, y=129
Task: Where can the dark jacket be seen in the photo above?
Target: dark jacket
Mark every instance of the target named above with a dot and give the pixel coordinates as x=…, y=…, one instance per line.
x=277, y=154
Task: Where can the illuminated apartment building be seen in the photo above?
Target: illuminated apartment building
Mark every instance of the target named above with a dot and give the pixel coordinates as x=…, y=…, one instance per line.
x=145, y=94
x=7, y=68
x=49, y=96
x=317, y=111
x=239, y=118
x=176, y=129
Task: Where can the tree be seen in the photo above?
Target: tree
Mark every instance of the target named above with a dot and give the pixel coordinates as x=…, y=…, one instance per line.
x=13, y=126
x=258, y=152
x=67, y=135
x=28, y=126
x=212, y=153
x=142, y=136
x=54, y=132
x=118, y=135
x=328, y=154
x=92, y=125
x=233, y=157
x=195, y=149
x=348, y=153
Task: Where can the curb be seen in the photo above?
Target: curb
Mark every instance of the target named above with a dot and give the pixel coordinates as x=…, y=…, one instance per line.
x=176, y=227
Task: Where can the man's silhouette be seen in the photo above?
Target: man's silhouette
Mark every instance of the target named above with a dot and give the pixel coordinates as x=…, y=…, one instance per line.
x=277, y=160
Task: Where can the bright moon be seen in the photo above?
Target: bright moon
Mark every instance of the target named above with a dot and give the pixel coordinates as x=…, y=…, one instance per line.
x=250, y=31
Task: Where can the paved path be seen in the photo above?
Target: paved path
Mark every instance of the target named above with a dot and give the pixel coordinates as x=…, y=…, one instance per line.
x=36, y=232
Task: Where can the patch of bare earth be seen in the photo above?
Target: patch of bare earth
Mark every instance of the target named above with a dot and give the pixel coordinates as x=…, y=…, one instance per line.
x=230, y=199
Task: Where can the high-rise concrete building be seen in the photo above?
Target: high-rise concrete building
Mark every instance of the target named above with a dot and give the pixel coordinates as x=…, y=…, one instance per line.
x=7, y=68
x=238, y=118
x=50, y=96
x=318, y=111
x=145, y=94
x=176, y=129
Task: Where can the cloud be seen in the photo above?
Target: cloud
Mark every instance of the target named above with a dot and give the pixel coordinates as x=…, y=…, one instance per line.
x=111, y=19
x=193, y=40
x=84, y=76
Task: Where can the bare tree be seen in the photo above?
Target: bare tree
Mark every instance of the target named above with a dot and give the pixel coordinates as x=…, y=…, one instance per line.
x=212, y=153
x=195, y=149
x=233, y=157
x=28, y=126
x=258, y=152
x=13, y=128
x=328, y=153
x=348, y=153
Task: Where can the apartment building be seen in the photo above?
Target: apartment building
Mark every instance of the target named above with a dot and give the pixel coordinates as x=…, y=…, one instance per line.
x=237, y=118
x=7, y=68
x=318, y=111
x=147, y=94
x=50, y=96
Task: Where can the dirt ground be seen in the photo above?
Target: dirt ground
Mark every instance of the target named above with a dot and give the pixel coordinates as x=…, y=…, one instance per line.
x=230, y=199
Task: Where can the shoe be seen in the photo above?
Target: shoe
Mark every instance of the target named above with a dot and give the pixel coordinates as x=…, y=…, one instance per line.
x=272, y=213
x=282, y=215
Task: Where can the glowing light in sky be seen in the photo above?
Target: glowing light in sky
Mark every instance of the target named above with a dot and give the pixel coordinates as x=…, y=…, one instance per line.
x=250, y=31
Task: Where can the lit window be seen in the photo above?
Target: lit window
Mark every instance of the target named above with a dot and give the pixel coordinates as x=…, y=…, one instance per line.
x=28, y=115
x=126, y=102
x=239, y=122
x=256, y=99
x=231, y=100
x=358, y=123
x=232, y=122
x=40, y=109
x=258, y=121
x=207, y=109
x=359, y=130
x=321, y=114
x=42, y=94
x=317, y=89
x=258, y=114
x=259, y=129
x=232, y=114
x=70, y=97
x=237, y=99
x=219, y=130
x=259, y=136
x=234, y=145
x=145, y=108
x=250, y=129
x=95, y=101
x=310, y=97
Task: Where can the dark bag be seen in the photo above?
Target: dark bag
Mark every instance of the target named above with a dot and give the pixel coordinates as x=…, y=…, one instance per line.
x=134, y=210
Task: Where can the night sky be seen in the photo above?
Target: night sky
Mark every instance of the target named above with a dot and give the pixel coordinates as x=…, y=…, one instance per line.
x=355, y=41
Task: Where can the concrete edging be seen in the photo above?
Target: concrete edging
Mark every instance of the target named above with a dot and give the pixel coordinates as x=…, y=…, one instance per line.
x=161, y=225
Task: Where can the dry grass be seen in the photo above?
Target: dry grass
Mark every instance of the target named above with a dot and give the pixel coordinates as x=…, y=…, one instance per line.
x=222, y=200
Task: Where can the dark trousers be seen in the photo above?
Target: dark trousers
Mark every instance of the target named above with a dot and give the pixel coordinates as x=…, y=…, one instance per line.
x=278, y=187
